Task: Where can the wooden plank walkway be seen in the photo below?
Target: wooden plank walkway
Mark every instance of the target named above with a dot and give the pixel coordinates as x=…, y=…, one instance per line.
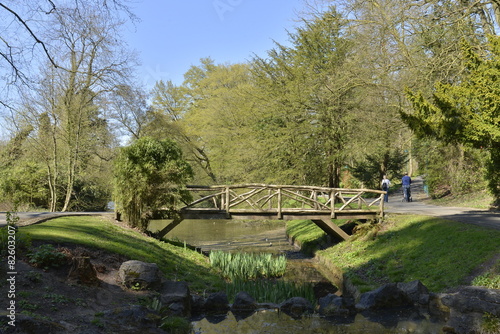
x=282, y=202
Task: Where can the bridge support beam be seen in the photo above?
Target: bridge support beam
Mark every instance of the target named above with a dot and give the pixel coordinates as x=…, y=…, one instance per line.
x=169, y=227
x=331, y=228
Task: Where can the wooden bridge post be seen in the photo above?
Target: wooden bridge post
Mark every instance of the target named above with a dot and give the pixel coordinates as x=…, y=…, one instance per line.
x=280, y=215
x=226, y=207
x=332, y=203
x=382, y=206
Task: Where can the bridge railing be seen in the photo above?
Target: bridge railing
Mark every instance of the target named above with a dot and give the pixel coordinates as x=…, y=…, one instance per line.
x=285, y=199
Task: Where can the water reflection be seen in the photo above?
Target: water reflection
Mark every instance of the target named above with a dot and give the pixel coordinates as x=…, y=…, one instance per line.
x=273, y=322
x=230, y=235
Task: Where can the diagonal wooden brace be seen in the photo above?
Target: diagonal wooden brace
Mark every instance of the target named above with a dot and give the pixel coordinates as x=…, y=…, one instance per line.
x=331, y=228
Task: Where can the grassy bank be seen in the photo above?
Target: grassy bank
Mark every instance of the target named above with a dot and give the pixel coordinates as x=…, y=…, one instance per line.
x=176, y=263
x=440, y=253
x=478, y=200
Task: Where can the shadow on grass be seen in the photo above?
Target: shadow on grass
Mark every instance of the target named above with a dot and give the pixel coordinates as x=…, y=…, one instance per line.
x=307, y=235
x=175, y=262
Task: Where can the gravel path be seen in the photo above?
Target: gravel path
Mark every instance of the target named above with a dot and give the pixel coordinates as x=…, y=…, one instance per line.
x=29, y=218
x=484, y=218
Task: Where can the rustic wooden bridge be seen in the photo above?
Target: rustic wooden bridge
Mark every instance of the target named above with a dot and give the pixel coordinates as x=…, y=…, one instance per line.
x=261, y=201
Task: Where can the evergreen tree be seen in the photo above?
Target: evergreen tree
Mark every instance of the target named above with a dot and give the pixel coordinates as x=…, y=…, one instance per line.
x=466, y=111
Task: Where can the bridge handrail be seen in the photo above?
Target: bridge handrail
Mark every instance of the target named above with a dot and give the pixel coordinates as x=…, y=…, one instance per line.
x=249, y=185
x=226, y=198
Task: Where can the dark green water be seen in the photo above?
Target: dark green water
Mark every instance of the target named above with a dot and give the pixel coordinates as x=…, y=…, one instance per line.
x=269, y=236
x=230, y=235
x=273, y=322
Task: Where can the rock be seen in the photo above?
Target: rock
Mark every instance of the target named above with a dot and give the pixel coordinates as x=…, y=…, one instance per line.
x=83, y=272
x=468, y=306
x=474, y=299
x=332, y=305
x=436, y=308
x=140, y=275
x=197, y=304
x=296, y=307
x=415, y=291
x=130, y=319
x=243, y=302
x=217, y=303
x=387, y=296
x=176, y=297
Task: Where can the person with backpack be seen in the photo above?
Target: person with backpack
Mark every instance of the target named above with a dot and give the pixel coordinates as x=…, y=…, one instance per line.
x=385, y=187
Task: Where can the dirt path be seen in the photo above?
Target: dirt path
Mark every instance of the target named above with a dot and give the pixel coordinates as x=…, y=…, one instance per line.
x=29, y=218
x=478, y=217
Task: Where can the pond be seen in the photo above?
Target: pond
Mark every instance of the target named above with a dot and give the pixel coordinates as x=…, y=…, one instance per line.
x=270, y=237
x=272, y=322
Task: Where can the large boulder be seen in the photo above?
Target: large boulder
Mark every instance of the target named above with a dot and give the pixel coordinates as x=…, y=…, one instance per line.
x=296, y=307
x=217, y=303
x=176, y=297
x=387, y=296
x=243, y=303
x=415, y=291
x=468, y=307
x=140, y=275
x=197, y=305
x=333, y=305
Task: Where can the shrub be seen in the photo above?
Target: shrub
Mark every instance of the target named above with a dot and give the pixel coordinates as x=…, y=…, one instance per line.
x=150, y=175
x=7, y=233
x=46, y=256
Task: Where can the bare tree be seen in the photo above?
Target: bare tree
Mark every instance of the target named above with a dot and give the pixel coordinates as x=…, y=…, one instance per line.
x=67, y=106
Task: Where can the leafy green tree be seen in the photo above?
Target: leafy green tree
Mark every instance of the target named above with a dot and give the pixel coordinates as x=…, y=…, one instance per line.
x=391, y=164
x=451, y=168
x=221, y=114
x=211, y=115
x=23, y=185
x=150, y=175
x=308, y=100
x=465, y=111
x=166, y=120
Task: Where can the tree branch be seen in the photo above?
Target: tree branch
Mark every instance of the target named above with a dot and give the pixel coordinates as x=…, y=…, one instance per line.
x=33, y=35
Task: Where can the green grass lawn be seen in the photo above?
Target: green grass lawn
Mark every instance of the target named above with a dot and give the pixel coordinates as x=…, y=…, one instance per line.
x=177, y=263
x=438, y=252
x=480, y=200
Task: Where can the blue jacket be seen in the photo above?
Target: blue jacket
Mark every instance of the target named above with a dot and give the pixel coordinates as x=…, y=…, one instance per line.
x=406, y=180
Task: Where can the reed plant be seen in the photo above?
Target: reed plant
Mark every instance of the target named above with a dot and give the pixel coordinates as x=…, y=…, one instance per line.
x=271, y=291
x=248, y=266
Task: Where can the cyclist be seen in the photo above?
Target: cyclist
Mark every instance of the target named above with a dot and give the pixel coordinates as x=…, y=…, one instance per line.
x=406, y=182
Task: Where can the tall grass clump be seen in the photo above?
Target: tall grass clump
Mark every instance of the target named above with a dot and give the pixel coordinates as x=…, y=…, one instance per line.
x=256, y=275
x=245, y=266
x=271, y=290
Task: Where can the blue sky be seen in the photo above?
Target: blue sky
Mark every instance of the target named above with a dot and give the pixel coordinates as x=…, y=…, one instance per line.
x=173, y=35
